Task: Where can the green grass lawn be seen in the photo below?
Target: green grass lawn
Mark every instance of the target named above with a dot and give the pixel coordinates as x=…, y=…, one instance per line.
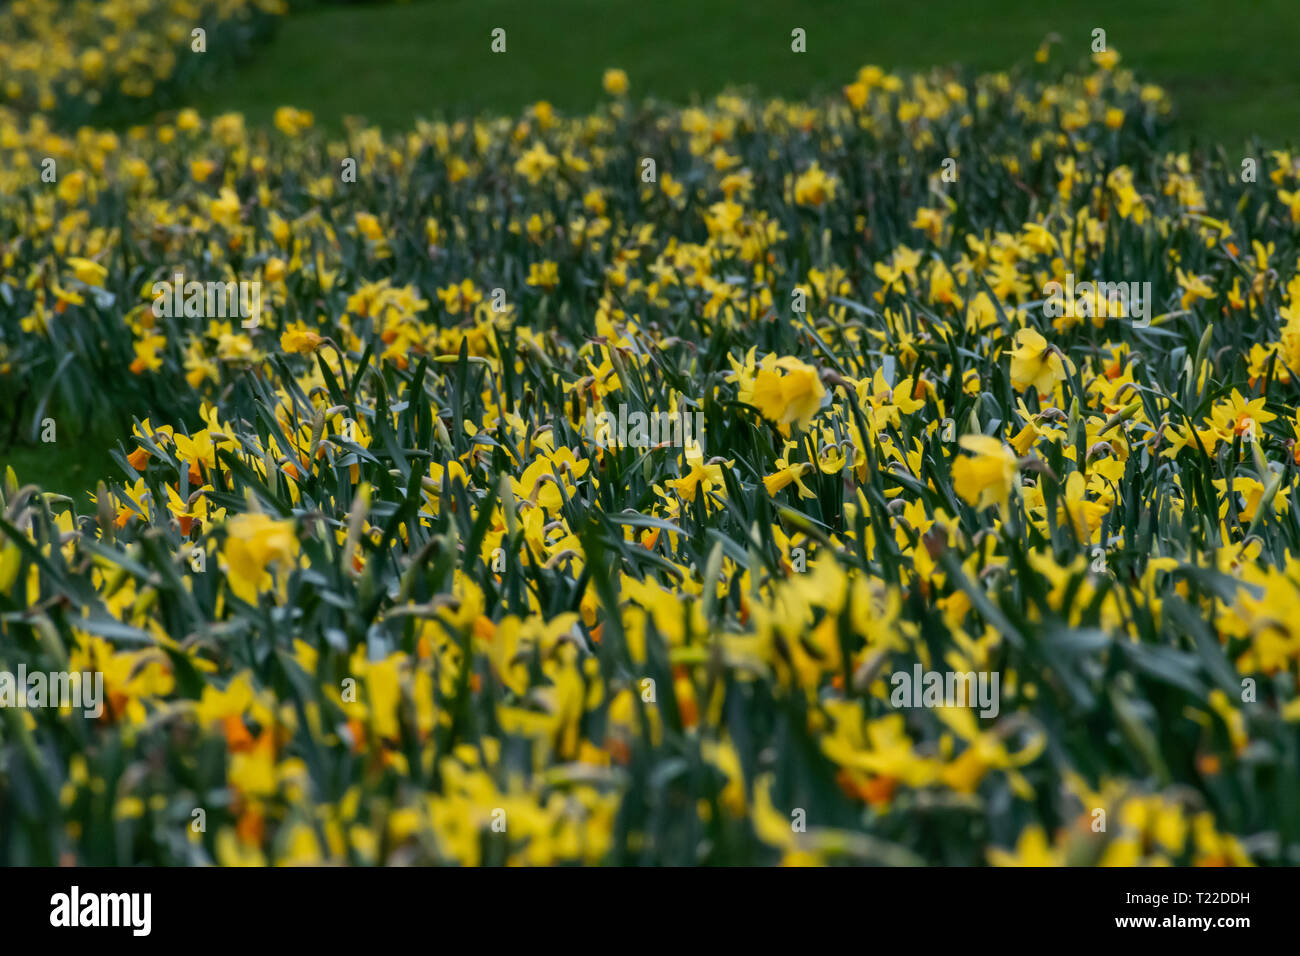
x=70, y=466
x=1231, y=68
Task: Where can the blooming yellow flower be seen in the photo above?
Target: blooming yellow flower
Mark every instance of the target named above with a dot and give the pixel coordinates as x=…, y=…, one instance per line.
x=814, y=186
x=255, y=543
x=1036, y=364
x=536, y=163
x=87, y=271
x=1032, y=849
x=1194, y=288
x=225, y=210
x=300, y=339
x=986, y=476
x=544, y=275
x=615, y=82
x=368, y=225
x=292, y=121
x=786, y=391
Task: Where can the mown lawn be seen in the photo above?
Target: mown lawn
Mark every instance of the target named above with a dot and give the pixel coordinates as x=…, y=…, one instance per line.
x=1231, y=69
x=70, y=466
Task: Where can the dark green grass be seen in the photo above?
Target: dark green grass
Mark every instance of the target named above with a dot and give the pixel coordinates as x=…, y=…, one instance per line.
x=71, y=465
x=1232, y=68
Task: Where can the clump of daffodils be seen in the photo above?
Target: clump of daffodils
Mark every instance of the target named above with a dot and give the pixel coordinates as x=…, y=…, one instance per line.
x=378, y=556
